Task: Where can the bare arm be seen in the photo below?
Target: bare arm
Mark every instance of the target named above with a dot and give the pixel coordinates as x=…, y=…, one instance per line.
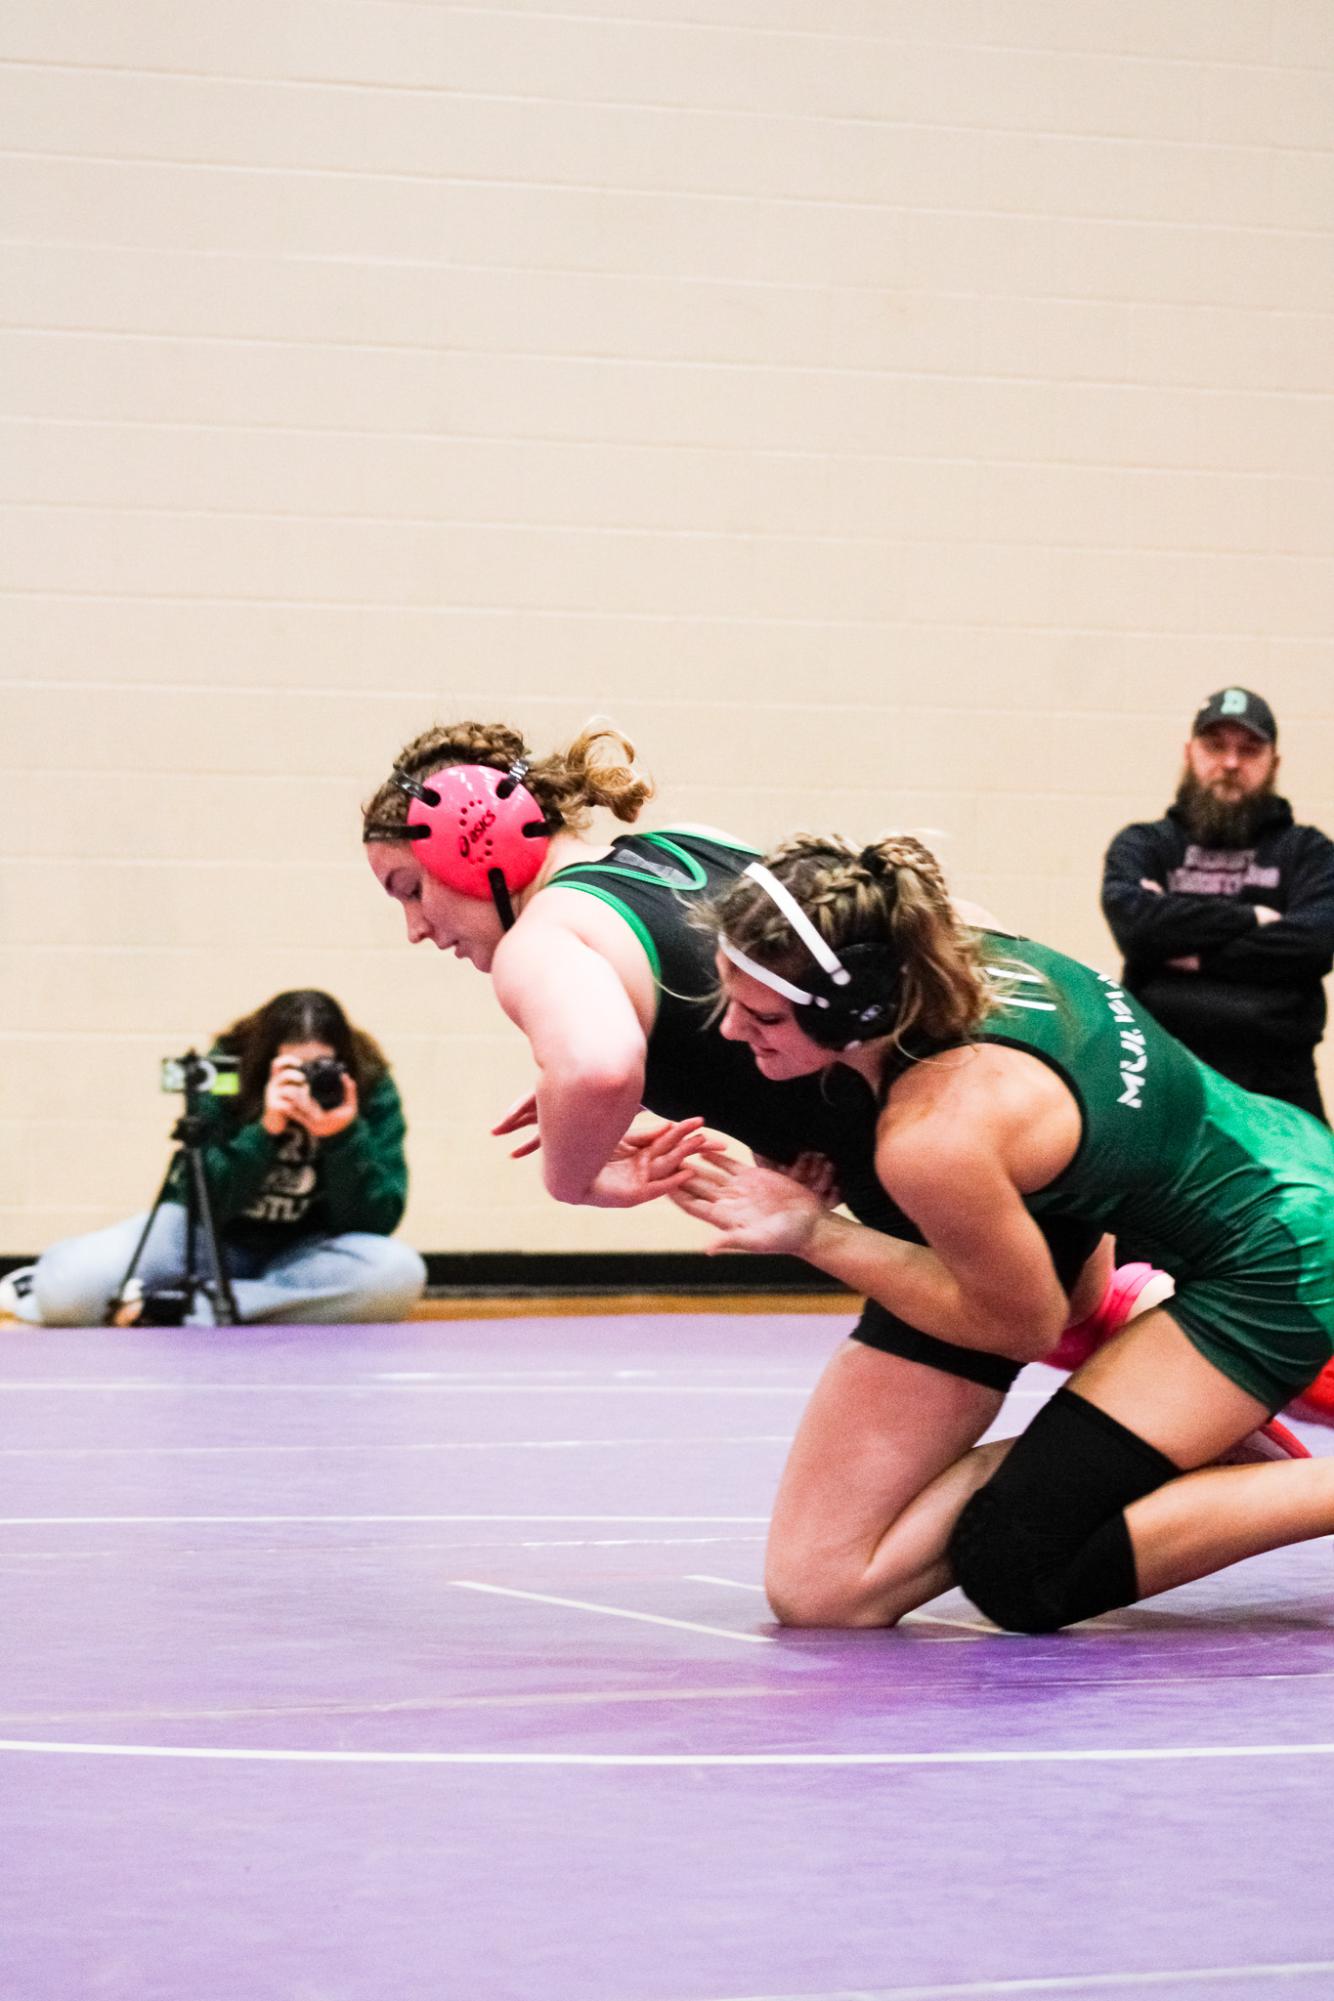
x=953, y=1153
x=984, y=1279
x=588, y=1044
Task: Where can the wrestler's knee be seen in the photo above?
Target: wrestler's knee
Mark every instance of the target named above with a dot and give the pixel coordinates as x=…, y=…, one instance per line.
x=997, y=1566
x=1044, y=1543
x=801, y=1594
x=820, y=1591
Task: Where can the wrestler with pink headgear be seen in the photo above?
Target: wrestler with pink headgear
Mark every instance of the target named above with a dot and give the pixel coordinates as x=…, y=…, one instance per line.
x=481, y=832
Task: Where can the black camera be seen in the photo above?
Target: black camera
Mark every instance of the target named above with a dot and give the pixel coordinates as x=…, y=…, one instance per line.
x=324, y=1080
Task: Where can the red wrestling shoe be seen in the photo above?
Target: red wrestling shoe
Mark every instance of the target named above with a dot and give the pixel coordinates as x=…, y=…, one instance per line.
x=1316, y=1402
x=1121, y=1301
x=1271, y=1441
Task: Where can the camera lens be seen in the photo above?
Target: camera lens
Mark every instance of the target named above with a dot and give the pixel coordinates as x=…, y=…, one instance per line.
x=324, y=1080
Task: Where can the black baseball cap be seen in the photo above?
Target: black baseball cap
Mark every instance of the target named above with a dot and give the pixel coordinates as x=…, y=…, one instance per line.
x=1238, y=705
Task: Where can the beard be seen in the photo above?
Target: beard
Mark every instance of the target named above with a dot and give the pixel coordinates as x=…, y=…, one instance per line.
x=1219, y=822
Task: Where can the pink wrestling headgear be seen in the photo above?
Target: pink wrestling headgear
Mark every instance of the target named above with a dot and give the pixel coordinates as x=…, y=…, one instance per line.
x=477, y=830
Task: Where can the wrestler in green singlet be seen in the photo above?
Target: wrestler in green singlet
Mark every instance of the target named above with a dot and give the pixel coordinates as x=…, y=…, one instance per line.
x=1231, y=1193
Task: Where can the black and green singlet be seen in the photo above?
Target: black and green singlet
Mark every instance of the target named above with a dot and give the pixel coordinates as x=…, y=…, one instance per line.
x=660, y=884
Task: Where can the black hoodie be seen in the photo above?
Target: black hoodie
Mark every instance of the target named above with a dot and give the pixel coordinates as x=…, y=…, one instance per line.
x=1255, y=1009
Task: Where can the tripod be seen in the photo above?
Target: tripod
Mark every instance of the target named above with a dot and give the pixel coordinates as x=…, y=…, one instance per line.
x=200, y=1222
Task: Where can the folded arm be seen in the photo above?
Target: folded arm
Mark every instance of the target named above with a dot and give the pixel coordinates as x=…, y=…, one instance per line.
x=1153, y=924
x=1296, y=944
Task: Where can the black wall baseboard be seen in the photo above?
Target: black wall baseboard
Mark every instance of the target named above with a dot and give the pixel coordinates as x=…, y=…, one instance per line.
x=520, y=1273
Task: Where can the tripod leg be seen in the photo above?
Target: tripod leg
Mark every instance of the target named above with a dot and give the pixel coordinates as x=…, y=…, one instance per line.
x=118, y=1296
x=201, y=1213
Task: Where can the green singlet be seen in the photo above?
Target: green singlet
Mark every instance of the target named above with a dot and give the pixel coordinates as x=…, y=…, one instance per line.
x=1231, y=1193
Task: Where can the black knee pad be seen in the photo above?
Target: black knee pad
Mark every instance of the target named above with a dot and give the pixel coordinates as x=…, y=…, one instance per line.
x=1044, y=1543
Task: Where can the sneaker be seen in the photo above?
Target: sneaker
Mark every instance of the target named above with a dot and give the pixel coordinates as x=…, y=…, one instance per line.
x=165, y=1306
x=139, y=1305
x=1131, y=1290
x=1316, y=1402
x=16, y=1296
x=1271, y=1441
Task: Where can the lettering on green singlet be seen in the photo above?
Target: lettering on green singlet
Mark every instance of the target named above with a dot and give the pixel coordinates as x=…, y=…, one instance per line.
x=1134, y=1053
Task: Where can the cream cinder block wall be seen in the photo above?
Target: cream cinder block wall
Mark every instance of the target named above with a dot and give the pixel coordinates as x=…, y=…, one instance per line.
x=896, y=412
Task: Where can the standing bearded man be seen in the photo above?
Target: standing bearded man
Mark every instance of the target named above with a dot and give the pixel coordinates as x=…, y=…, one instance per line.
x=1224, y=909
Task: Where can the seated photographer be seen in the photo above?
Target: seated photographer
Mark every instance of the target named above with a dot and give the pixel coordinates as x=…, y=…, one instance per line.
x=306, y=1178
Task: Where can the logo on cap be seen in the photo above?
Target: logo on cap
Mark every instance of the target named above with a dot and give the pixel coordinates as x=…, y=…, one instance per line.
x=1241, y=706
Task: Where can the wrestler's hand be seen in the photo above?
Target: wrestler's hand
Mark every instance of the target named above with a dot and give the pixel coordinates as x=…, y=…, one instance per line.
x=814, y=1171
x=652, y=1160
x=750, y=1208
x=522, y=1113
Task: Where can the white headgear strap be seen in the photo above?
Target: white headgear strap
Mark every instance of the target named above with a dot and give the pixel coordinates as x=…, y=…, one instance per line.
x=825, y=957
x=823, y=954
x=767, y=977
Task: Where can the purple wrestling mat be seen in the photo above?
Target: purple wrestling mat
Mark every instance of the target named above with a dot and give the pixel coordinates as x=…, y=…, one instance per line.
x=370, y=1664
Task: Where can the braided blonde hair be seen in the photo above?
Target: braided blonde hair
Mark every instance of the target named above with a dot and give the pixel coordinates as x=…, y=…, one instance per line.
x=892, y=893
x=598, y=769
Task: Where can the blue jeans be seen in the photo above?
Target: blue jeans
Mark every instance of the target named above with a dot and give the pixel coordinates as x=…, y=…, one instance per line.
x=355, y=1276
